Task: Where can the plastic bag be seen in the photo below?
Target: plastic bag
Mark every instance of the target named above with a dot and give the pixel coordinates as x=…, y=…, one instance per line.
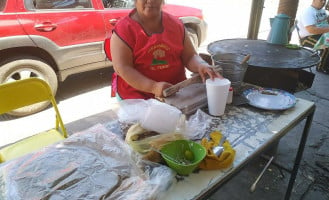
x=161, y=117
x=153, y=115
x=197, y=124
x=144, y=145
x=164, y=119
x=93, y=164
x=131, y=111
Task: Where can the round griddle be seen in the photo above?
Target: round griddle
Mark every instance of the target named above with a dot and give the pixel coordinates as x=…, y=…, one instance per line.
x=268, y=55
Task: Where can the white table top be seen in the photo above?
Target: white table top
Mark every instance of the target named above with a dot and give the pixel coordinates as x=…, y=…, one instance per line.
x=249, y=130
x=249, y=133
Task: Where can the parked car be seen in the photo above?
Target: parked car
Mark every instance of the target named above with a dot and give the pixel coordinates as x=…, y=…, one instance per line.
x=52, y=39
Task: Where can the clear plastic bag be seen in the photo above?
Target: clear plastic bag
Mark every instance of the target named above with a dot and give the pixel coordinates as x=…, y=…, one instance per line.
x=133, y=111
x=197, y=124
x=161, y=117
x=93, y=164
x=146, y=144
x=153, y=115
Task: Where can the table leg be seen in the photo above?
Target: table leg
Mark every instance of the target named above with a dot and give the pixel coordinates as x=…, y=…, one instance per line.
x=299, y=154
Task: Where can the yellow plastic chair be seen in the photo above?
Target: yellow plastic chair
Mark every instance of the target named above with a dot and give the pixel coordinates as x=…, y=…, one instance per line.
x=23, y=93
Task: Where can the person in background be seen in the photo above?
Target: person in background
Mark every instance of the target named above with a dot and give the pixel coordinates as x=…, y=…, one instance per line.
x=312, y=23
x=149, y=50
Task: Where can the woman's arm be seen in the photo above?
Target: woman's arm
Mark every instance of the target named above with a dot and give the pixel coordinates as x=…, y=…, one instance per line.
x=122, y=59
x=195, y=63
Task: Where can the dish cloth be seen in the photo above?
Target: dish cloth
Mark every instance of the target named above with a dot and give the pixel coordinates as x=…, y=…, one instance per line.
x=211, y=161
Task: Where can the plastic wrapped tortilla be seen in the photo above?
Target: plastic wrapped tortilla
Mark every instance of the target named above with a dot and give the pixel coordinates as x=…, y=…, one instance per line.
x=93, y=164
x=142, y=141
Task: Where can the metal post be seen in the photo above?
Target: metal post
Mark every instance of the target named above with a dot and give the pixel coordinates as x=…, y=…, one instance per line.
x=299, y=155
x=255, y=18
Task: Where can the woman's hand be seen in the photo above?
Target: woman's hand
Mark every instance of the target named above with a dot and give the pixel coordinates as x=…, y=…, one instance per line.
x=159, y=87
x=196, y=64
x=205, y=71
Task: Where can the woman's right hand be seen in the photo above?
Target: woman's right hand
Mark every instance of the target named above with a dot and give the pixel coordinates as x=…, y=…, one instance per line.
x=159, y=87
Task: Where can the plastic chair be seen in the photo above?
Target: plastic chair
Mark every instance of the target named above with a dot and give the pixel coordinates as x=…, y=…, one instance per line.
x=295, y=26
x=25, y=92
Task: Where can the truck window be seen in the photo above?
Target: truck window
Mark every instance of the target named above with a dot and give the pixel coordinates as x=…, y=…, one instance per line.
x=118, y=3
x=2, y=4
x=62, y=4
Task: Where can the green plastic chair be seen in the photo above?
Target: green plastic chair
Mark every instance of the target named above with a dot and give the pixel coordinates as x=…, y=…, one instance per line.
x=25, y=92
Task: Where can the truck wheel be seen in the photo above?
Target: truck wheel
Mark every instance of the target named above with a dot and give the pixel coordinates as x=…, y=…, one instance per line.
x=193, y=36
x=26, y=67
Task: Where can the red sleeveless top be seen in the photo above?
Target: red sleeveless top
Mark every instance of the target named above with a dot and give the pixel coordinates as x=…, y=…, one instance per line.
x=157, y=56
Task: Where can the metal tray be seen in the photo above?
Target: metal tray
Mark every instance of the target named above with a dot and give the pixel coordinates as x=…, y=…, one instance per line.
x=270, y=98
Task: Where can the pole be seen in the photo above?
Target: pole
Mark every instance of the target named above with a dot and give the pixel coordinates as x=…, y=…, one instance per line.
x=255, y=18
x=289, y=7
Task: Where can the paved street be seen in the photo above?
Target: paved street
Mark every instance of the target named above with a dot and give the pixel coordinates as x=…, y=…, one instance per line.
x=89, y=93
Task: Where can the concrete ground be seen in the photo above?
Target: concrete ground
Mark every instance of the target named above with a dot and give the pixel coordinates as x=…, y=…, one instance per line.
x=88, y=93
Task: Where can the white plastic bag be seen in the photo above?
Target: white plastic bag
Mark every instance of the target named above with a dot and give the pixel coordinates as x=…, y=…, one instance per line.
x=153, y=115
x=161, y=117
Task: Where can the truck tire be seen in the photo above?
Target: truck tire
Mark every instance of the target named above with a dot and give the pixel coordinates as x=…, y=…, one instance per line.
x=19, y=68
x=194, y=37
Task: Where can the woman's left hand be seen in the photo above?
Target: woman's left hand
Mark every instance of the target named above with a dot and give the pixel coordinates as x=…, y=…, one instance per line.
x=206, y=71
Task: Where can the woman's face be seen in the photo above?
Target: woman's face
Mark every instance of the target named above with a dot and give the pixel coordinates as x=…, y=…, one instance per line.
x=149, y=8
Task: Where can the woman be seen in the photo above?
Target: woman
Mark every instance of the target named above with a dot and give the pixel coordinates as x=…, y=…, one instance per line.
x=149, y=49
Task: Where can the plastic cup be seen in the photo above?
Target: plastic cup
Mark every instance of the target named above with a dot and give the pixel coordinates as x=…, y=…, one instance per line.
x=217, y=92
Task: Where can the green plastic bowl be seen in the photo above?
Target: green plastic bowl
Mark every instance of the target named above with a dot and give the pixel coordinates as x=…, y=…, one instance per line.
x=176, y=156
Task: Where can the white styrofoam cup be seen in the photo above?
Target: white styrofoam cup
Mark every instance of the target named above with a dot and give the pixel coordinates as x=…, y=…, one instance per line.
x=217, y=92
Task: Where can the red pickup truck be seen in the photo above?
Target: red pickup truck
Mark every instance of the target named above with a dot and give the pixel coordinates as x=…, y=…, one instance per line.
x=52, y=39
